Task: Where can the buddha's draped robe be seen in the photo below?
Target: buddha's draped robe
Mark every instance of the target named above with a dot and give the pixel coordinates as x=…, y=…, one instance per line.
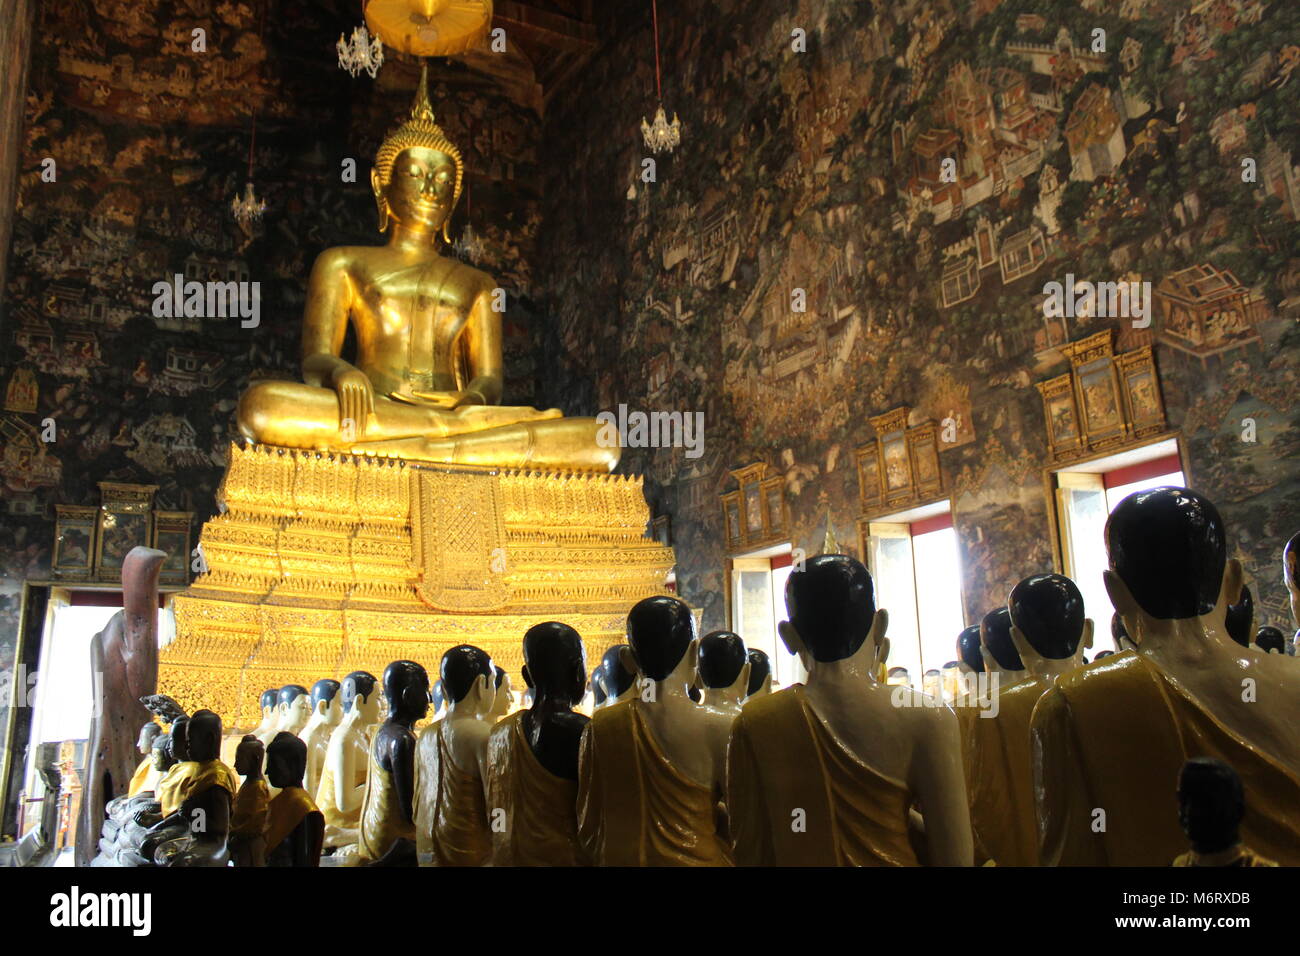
x=450, y=806
x=325, y=801
x=1114, y=736
x=782, y=760
x=189, y=778
x=382, y=820
x=634, y=807
x=1000, y=776
x=540, y=810
x=248, y=812
x=289, y=808
x=145, y=778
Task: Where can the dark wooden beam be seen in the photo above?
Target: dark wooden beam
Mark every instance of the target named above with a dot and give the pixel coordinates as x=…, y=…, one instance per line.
x=541, y=26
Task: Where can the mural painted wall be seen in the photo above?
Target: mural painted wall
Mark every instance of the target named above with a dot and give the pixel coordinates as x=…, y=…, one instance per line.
x=920, y=171
x=150, y=141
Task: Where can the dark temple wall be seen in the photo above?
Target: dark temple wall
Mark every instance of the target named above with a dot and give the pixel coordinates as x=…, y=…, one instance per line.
x=818, y=170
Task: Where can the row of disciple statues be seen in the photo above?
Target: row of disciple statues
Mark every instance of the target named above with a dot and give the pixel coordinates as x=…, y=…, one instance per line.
x=1179, y=748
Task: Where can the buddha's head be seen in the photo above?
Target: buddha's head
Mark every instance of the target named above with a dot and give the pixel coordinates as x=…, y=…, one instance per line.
x=161, y=756
x=286, y=760
x=1211, y=804
x=203, y=736
x=617, y=671
x=248, y=757
x=555, y=663
x=406, y=687
x=1000, y=652
x=144, y=743
x=469, y=679
x=418, y=171
x=968, y=649
x=661, y=633
x=1270, y=640
x=325, y=702
x=831, y=603
x=1168, y=561
x=1047, y=621
x=760, y=673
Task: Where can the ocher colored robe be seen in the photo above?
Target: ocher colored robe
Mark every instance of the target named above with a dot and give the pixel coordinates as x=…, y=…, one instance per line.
x=796, y=797
x=451, y=811
x=634, y=807
x=539, y=824
x=1113, y=737
x=382, y=821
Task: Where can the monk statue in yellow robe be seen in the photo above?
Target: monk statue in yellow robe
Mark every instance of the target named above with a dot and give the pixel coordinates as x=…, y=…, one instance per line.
x=427, y=378
x=342, y=785
x=649, y=773
x=723, y=666
x=326, y=712
x=532, y=764
x=146, y=775
x=387, y=832
x=618, y=675
x=831, y=772
x=1046, y=627
x=295, y=829
x=198, y=800
x=451, y=812
x=248, y=813
x=1110, y=739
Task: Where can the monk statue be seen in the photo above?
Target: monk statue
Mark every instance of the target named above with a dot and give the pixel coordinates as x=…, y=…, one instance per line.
x=451, y=815
x=532, y=777
x=503, y=699
x=292, y=709
x=1270, y=640
x=295, y=829
x=342, y=785
x=387, y=832
x=618, y=675
x=1001, y=657
x=724, y=673
x=649, y=775
x=595, y=695
x=1110, y=738
x=760, y=674
x=124, y=656
x=1211, y=805
x=199, y=800
x=145, y=776
x=426, y=381
x=248, y=812
x=830, y=773
x=1050, y=634
x=130, y=817
x=326, y=712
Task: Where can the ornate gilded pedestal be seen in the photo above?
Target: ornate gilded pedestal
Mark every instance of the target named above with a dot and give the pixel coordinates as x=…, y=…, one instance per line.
x=323, y=564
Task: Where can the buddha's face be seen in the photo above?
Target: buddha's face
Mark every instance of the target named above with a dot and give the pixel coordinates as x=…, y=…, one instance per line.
x=421, y=188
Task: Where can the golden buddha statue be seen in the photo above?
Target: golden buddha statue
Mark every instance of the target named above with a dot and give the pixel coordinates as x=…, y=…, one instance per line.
x=428, y=377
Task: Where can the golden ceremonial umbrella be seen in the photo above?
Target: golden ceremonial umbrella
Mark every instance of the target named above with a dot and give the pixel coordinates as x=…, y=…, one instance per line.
x=430, y=27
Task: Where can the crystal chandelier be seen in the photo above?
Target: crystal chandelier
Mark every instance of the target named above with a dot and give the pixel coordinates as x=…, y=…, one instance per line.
x=364, y=52
x=661, y=135
x=469, y=247
x=248, y=208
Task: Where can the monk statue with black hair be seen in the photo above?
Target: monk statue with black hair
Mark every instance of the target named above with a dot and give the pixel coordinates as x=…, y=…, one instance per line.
x=532, y=777
x=1211, y=805
x=452, y=817
x=326, y=712
x=618, y=674
x=342, y=786
x=387, y=836
x=199, y=799
x=248, y=812
x=760, y=674
x=723, y=671
x=1270, y=640
x=1000, y=654
x=1240, y=619
x=1050, y=633
x=828, y=773
x=649, y=778
x=1112, y=737
x=503, y=698
x=295, y=829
